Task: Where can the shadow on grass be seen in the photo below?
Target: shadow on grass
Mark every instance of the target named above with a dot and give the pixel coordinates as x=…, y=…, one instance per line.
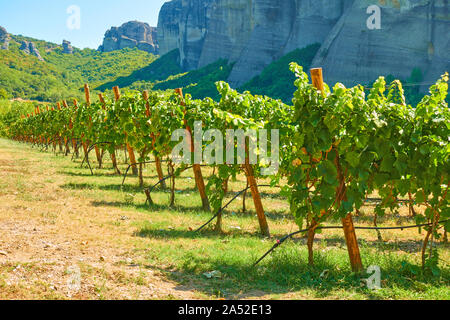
x=99, y=173
x=407, y=246
x=287, y=271
x=88, y=174
x=103, y=187
x=154, y=207
x=118, y=187
x=273, y=215
x=183, y=209
x=187, y=234
x=399, y=220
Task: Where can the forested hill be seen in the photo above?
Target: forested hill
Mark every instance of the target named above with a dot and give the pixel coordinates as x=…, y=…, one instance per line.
x=43, y=71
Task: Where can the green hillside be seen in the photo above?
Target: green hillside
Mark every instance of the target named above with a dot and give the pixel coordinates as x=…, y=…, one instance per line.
x=276, y=80
x=159, y=70
x=62, y=75
x=199, y=83
x=165, y=73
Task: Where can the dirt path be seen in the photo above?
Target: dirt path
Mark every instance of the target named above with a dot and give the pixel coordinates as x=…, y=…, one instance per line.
x=54, y=245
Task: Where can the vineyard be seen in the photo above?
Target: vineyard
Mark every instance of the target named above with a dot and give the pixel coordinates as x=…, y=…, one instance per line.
x=340, y=149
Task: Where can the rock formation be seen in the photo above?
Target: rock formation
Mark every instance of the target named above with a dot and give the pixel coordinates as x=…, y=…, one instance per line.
x=131, y=35
x=67, y=47
x=413, y=34
x=4, y=39
x=30, y=48
x=253, y=33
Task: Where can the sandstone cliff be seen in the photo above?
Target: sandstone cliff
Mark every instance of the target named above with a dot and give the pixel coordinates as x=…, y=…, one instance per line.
x=28, y=47
x=4, y=39
x=413, y=34
x=253, y=33
x=67, y=47
x=130, y=35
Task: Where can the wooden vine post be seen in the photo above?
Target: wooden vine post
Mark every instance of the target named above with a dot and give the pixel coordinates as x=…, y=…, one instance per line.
x=60, y=138
x=129, y=148
x=251, y=180
x=157, y=159
x=113, y=153
x=56, y=137
x=74, y=141
x=88, y=101
x=66, y=139
x=197, y=169
x=83, y=142
x=41, y=138
x=347, y=222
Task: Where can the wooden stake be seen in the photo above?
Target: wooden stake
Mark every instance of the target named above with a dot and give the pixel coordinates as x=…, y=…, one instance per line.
x=87, y=94
x=102, y=101
x=157, y=159
x=317, y=79
x=197, y=169
x=255, y=194
x=147, y=105
x=347, y=222
x=129, y=148
x=160, y=172
x=60, y=139
x=74, y=142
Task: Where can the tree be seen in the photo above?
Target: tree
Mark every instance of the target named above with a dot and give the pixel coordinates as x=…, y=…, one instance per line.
x=3, y=94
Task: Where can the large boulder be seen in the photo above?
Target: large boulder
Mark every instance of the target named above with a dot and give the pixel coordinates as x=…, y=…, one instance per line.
x=3, y=33
x=184, y=25
x=414, y=34
x=130, y=35
x=67, y=47
x=4, y=39
x=29, y=47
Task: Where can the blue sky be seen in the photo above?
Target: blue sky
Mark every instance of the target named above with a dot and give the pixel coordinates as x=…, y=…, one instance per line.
x=47, y=19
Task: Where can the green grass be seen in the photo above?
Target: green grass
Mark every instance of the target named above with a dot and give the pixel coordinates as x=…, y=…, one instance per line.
x=164, y=241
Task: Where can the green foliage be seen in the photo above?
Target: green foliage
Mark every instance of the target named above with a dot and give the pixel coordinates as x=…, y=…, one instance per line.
x=200, y=83
x=3, y=94
x=349, y=145
x=276, y=80
x=62, y=75
x=161, y=69
x=25, y=77
x=165, y=73
x=11, y=112
x=96, y=67
x=413, y=87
